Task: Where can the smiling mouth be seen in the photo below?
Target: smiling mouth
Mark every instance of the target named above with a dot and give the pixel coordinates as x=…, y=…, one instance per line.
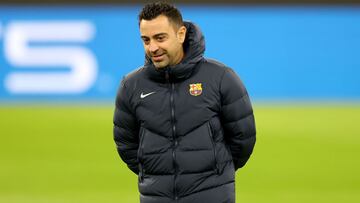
x=158, y=58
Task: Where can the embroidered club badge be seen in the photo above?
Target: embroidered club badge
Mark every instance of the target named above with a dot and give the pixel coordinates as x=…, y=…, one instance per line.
x=195, y=89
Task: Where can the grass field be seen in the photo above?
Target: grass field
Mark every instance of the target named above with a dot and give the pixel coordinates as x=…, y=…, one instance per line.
x=304, y=153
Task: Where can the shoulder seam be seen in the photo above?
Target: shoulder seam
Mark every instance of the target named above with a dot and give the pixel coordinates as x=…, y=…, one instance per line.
x=222, y=77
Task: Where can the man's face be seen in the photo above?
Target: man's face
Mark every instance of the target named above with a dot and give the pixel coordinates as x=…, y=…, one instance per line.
x=162, y=41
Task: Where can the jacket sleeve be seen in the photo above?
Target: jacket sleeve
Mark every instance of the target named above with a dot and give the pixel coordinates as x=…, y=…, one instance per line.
x=126, y=129
x=237, y=118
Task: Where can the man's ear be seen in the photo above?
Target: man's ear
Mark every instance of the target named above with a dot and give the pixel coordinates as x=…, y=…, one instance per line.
x=181, y=34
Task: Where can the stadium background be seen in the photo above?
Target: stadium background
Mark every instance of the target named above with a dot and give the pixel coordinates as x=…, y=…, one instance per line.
x=61, y=63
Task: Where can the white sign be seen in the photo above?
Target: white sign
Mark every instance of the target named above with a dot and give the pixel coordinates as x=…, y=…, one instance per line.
x=37, y=44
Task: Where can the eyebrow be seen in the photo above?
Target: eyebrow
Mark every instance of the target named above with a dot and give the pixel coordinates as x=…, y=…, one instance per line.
x=157, y=35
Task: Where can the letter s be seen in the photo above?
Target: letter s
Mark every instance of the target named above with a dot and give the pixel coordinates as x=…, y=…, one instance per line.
x=21, y=54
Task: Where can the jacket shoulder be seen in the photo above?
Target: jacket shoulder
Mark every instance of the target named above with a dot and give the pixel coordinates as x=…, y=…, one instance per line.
x=133, y=76
x=214, y=67
x=215, y=62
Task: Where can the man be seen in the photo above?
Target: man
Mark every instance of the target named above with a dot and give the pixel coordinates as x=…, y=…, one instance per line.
x=182, y=122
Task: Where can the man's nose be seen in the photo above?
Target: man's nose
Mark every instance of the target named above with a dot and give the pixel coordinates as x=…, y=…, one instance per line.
x=153, y=47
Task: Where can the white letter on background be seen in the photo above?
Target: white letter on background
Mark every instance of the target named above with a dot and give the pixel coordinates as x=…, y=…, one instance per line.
x=20, y=54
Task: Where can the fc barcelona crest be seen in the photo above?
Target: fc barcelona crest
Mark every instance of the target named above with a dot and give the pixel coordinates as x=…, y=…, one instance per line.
x=195, y=89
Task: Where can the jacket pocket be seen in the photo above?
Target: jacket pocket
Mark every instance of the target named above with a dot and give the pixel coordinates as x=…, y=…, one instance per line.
x=140, y=154
x=211, y=135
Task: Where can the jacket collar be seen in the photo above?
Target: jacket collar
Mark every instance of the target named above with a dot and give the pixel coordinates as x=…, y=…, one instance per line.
x=194, y=48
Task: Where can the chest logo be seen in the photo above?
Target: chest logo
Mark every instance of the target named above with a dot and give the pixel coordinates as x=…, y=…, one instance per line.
x=142, y=96
x=195, y=89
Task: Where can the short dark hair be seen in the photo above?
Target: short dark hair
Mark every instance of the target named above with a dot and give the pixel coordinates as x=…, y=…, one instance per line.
x=152, y=10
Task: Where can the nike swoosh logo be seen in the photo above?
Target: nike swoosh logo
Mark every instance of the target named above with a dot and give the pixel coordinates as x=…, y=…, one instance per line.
x=142, y=96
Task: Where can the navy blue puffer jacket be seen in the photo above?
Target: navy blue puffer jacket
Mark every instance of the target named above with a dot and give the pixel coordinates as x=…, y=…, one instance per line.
x=186, y=129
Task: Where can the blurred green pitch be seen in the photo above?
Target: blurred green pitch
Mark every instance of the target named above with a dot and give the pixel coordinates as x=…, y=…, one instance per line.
x=304, y=153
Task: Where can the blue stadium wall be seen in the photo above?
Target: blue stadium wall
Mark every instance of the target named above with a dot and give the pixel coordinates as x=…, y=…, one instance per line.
x=81, y=53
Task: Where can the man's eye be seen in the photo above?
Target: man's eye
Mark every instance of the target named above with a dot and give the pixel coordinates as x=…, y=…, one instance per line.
x=146, y=41
x=161, y=38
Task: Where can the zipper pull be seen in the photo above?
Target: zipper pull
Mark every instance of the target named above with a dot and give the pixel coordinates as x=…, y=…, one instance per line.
x=141, y=173
x=167, y=75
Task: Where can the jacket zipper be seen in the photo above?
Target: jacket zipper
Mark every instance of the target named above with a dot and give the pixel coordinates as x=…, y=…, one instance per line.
x=216, y=168
x=173, y=128
x=141, y=170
